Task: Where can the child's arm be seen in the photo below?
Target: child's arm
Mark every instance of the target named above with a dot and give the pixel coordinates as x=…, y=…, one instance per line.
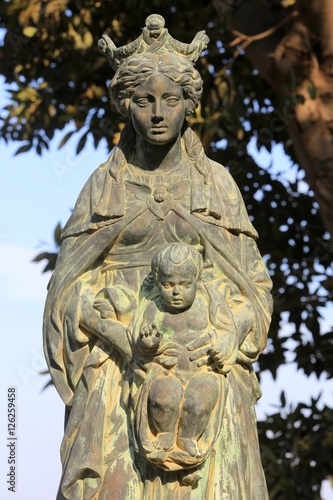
x=150, y=336
x=111, y=331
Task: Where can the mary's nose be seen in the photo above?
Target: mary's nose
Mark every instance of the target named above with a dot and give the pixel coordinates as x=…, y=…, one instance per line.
x=157, y=112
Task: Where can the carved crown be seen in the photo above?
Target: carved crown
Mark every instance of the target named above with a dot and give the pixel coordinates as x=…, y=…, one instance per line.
x=154, y=38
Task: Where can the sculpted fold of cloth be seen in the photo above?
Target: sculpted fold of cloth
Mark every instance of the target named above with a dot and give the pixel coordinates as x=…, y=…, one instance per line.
x=120, y=338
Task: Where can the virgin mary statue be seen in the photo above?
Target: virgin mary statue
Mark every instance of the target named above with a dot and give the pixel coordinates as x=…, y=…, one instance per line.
x=157, y=187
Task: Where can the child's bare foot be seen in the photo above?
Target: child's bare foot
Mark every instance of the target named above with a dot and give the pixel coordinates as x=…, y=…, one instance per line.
x=164, y=440
x=190, y=446
x=192, y=478
x=158, y=456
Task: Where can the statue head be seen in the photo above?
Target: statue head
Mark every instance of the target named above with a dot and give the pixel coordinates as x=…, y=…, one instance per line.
x=176, y=269
x=154, y=24
x=135, y=71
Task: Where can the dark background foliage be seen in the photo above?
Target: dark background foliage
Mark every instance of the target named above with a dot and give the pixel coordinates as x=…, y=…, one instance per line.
x=56, y=76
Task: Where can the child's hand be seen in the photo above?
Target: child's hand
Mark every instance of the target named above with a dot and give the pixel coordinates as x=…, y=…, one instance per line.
x=150, y=336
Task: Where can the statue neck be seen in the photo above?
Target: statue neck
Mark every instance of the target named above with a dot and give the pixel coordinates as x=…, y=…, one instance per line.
x=162, y=157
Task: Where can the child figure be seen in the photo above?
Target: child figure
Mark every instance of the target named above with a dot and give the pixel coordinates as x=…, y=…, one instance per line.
x=182, y=400
x=179, y=399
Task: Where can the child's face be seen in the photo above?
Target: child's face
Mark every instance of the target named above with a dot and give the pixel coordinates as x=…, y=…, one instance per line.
x=177, y=288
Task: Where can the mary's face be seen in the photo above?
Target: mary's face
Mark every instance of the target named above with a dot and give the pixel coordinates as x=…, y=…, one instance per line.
x=157, y=110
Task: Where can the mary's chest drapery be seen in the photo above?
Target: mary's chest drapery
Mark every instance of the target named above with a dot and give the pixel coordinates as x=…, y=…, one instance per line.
x=211, y=194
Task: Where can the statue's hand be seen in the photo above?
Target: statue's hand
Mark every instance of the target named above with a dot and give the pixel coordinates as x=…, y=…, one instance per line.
x=224, y=351
x=94, y=312
x=150, y=336
x=89, y=316
x=110, y=330
x=105, y=309
x=200, y=350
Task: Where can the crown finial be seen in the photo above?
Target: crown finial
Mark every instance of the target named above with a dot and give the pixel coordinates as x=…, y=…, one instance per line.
x=154, y=38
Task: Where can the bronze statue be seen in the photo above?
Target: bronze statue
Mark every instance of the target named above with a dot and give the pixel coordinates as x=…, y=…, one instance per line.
x=160, y=303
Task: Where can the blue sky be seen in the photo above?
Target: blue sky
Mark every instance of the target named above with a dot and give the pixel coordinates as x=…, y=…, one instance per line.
x=36, y=193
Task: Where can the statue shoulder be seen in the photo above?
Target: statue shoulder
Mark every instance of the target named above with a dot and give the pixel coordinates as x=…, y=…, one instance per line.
x=82, y=217
x=235, y=215
x=221, y=174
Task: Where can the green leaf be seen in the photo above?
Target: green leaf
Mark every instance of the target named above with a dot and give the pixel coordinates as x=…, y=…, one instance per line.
x=30, y=31
x=23, y=149
x=81, y=143
x=66, y=138
x=57, y=234
x=283, y=399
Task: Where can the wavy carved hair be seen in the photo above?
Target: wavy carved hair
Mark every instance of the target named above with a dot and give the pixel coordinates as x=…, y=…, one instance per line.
x=135, y=70
x=176, y=255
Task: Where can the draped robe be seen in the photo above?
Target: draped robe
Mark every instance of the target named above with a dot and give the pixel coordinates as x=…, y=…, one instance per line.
x=98, y=453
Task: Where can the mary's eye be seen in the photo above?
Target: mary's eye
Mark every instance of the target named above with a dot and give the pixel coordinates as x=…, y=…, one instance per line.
x=142, y=102
x=172, y=101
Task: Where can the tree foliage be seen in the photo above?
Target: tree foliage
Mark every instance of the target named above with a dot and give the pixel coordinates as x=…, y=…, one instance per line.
x=56, y=78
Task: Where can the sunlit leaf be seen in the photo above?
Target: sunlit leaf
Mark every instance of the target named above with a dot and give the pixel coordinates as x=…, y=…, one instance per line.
x=29, y=31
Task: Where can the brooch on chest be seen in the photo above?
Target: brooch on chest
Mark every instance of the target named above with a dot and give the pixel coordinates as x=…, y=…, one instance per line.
x=160, y=198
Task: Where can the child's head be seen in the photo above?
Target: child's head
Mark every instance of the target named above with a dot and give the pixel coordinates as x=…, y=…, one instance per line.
x=176, y=269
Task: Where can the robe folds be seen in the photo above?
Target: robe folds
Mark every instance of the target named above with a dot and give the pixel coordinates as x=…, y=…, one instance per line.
x=99, y=457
